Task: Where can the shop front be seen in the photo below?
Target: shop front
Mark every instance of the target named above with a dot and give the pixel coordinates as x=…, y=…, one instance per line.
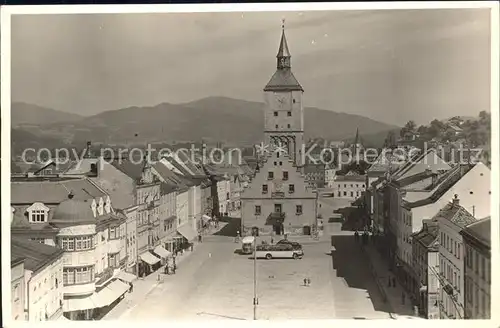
x=148, y=264
x=186, y=235
x=96, y=305
x=163, y=253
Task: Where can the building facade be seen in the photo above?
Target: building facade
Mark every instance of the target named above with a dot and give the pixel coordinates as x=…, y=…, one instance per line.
x=425, y=246
x=17, y=301
x=451, y=220
x=349, y=186
x=278, y=200
x=477, y=244
x=43, y=271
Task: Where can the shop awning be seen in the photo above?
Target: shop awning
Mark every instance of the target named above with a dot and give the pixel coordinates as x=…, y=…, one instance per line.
x=149, y=258
x=79, y=304
x=160, y=250
x=125, y=276
x=111, y=292
x=187, y=231
x=205, y=218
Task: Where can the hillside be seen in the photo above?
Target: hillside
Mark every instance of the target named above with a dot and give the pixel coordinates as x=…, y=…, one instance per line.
x=215, y=118
x=22, y=113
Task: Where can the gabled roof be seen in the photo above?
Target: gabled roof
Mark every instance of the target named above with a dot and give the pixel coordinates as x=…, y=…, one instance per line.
x=168, y=176
x=167, y=188
x=53, y=192
x=480, y=230
x=429, y=160
x=428, y=237
x=35, y=254
x=413, y=178
x=129, y=168
x=283, y=80
x=384, y=161
x=456, y=214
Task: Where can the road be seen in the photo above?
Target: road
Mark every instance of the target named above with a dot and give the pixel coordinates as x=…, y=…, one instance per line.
x=216, y=283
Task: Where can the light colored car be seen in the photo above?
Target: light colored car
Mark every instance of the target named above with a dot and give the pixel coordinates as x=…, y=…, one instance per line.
x=280, y=251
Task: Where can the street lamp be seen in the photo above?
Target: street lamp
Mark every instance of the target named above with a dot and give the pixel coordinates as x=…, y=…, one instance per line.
x=255, y=299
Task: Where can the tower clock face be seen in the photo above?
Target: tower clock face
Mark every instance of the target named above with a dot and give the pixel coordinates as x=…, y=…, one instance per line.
x=281, y=100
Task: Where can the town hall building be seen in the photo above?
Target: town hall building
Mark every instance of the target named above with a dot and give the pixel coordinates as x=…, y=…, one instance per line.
x=279, y=200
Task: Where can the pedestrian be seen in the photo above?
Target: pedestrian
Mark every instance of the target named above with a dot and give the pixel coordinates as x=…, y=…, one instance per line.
x=131, y=288
x=210, y=255
x=199, y=238
x=272, y=240
x=191, y=246
x=173, y=269
x=166, y=269
x=305, y=281
x=308, y=282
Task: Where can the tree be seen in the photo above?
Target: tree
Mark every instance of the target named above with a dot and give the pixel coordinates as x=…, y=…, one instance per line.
x=390, y=140
x=410, y=126
x=436, y=128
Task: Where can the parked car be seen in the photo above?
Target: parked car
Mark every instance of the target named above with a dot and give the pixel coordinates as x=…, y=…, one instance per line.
x=294, y=244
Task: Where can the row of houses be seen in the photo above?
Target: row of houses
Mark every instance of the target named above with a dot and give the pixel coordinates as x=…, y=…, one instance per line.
x=424, y=214
x=81, y=237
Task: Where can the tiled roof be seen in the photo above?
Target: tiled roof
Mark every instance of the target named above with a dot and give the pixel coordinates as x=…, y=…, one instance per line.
x=480, y=230
x=357, y=178
x=283, y=80
x=428, y=236
x=456, y=214
x=167, y=188
x=413, y=178
x=129, y=168
x=447, y=181
x=52, y=192
x=383, y=162
x=120, y=187
x=171, y=177
x=35, y=254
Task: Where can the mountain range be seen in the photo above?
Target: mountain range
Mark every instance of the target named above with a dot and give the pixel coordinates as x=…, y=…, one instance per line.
x=232, y=121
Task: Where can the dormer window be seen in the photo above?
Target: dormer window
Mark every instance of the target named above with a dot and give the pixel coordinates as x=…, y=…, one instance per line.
x=38, y=213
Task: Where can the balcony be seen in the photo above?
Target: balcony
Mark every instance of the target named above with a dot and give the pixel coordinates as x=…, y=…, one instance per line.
x=278, y=194
x=114, y=246
x=79, y=289
x=79, y=258
x=275, y=218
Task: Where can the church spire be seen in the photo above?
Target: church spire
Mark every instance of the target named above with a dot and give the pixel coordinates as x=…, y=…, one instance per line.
x=283, y=57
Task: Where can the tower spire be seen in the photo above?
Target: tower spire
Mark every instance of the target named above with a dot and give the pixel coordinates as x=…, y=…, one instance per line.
x=284, y=57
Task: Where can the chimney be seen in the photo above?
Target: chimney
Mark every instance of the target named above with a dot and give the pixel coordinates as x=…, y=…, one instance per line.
x=87, y=150
x=456, y=201
x=434, y=180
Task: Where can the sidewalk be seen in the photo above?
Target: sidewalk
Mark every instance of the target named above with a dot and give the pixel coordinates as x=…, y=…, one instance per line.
x=142, y=287
x=392, y=295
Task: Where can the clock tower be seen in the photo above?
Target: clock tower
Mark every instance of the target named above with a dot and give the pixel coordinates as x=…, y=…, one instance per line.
x=284, y=113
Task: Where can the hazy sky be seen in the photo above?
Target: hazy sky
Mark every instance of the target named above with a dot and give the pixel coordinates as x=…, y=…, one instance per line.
x=392, y=66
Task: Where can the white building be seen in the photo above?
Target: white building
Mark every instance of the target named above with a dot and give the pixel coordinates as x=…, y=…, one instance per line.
x=350, y=186
x=43, y=271
x=17, y=301
x=330, y=174
x=472, y=187
x=452, y=219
